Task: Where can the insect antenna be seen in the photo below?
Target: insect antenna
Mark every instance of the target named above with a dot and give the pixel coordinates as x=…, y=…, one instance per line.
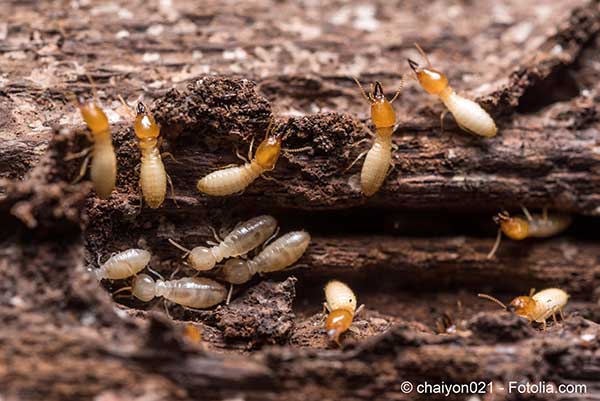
x=120, y=290
x=127, y=107
x=93, y=84
x=181, y=247
x=157, y=274
x=423, y=54
x=496, y=244
x=368, y=97
x=402, y=82
x=491, y=298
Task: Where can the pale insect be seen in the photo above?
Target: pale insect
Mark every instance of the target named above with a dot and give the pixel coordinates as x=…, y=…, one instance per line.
x=529, y=226
x=231, y=180
x=281, y=253
x=537, y=307
x=124, y=264
x=379, y=157
x=469, y=115
x=103, y=169
x=244, y=238
x=341, y=305
x=153, y=176
x=191, y=292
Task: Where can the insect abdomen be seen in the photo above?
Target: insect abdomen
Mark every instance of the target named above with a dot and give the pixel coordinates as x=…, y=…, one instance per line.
x=339, y=296
x=194, y=292
x=280, y=254
x=548, y=302
x=124, y=264
x=376, y=165
x=230, y=180
x=104, y=167
x=554, y=224
x=247, y=236
x=153, y=179
x=470, y=115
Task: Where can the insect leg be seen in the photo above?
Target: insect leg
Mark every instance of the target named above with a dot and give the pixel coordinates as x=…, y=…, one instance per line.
x=442, y=116
x=237, y=153
x=360, y=156
x=169, y=155
x=554, y=318
x=82, y=169
x=496, y=245
x=545, y=213
x=359, y=309
x=215, y=235
x=271, y=238
x=170, y=181
x=545, y=325
x=229, y=294
x=562, y=316
x=73, y=156
x=526, y=213
x=252, y=144
x=268, y=178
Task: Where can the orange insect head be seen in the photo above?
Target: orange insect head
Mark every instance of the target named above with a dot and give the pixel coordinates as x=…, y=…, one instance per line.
x=338, y=322
x=432, y=80
x=92, y=114
x=513, y=227
x=522, y=305
x=145, y=126
x=382, y=113
x=268, y=152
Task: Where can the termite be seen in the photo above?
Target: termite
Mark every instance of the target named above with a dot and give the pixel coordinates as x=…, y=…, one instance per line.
x=240, y=241
x=153, y=176
x=281, y=253
x=379, y=157
x=537, y=307
x=231, y=180
x=124, y=264
x=341, y=305
x=469, y=115
x=104, y=161
x=191, y=292
x=529, y=226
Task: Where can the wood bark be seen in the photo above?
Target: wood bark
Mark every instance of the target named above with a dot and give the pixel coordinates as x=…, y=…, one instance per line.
x=415, y=253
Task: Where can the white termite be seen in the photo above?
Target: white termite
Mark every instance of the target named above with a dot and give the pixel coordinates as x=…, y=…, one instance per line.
x=244, y=238
x=278, y=255
x=124, y=264
x=537, y=307
x=191, y=292
x=469, y=115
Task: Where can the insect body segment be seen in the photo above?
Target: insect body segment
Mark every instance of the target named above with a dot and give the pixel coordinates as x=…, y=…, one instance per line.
x=537, y=307
x=278, y=255
x=379, y=157
x=529, y=226
x=193, y=292
x=124, y=264
x=153, y=177
x=236, y=179
x=240, y=241
x=104, y=161
x=341, y=304
x=469, y=115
